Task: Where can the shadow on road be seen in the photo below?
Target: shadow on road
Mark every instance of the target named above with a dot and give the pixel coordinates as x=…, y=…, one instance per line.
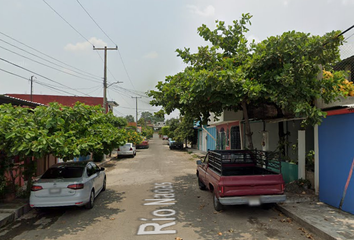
x=80, y=218
x=195, y=208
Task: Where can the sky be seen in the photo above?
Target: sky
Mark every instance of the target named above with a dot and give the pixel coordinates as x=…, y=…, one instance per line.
x=52, y=40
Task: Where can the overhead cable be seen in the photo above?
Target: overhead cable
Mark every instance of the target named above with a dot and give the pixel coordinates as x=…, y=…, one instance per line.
x=36, y=81
x=120, y=55
x=67, y=22
x=82, y=71
x=46, y=65
x=42, y=76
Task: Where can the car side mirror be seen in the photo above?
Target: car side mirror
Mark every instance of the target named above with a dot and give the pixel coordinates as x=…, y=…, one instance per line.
x=199, y=162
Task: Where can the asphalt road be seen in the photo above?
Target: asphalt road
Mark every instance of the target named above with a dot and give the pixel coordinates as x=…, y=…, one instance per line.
x=154, y=196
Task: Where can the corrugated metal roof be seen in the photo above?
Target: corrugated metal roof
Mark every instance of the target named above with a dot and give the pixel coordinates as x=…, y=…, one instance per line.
x=4, y=99
x=64, y=100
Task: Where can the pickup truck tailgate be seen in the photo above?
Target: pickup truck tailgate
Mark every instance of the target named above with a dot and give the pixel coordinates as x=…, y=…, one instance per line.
x=251, y=185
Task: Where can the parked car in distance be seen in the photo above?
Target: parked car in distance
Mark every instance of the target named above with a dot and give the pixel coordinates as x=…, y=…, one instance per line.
x=164, y=137
x=143, y=144
x=175, y=145
x=68, y=184
x=127, y=150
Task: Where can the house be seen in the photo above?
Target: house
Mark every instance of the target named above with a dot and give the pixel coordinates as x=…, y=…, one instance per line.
x=228, y=132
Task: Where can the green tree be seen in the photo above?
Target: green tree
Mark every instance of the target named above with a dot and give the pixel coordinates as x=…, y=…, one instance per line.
x=172, y=124
x=133, y=137
x=147, y=131
x=129, y=118
x=184, y=130
x=235, y=75
x=165, y=130
x=65, y=132
x=147, y=116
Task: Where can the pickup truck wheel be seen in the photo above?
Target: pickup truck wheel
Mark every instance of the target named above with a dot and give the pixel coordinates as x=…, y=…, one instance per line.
x=201, y=184
x=217, y=205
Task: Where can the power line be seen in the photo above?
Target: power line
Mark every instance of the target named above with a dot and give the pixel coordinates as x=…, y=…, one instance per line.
x=41, y=76
x=95, y=22
x=120, y=55
x=82, y=71
x=46, y=65
x=67, y=22
x=38, y=82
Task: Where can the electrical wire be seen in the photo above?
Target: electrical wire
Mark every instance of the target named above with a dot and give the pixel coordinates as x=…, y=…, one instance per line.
x=40, y=83
x=67, y=22
x=2, y=59
x=85, y=73
x=120, y=55
x=95, y=21
x=59, y=70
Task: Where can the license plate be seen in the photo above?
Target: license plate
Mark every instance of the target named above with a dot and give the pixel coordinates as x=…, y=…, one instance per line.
x=54, y=190
x=254, y=201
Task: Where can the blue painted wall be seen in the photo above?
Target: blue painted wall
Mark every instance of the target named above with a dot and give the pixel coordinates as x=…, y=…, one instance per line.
x=211, y=144
x=336, y=146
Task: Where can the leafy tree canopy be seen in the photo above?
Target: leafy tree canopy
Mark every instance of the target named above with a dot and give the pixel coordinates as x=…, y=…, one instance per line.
x=129, y=118
x=233, y=74
x=65, y=132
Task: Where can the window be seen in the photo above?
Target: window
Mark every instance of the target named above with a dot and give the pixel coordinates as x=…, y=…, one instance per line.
x=63, y=172
x=90, y=170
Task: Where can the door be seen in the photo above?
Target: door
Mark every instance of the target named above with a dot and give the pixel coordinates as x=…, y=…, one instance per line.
x=235, y=138
x=93, y=176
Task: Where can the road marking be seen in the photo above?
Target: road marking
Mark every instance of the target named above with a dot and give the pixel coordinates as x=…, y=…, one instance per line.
x=164, y=195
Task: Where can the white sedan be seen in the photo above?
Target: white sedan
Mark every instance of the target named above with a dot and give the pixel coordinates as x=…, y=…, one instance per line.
x=127, y=150
x=68, y=184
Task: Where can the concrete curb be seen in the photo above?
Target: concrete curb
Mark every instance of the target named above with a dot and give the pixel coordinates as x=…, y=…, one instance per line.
x=10, y=215
x=304, y=223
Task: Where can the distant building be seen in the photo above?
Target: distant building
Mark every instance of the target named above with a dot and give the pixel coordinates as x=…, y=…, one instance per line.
x=159, y=125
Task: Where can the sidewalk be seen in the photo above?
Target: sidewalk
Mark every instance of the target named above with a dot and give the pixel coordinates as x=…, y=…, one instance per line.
x=11, y=211
x=321, y=219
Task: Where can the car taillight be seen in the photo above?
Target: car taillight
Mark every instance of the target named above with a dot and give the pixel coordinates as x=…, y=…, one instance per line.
x=36, y=188
x=76, y=186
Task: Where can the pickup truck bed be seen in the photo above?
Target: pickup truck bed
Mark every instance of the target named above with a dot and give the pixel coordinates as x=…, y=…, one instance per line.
x=241, y=177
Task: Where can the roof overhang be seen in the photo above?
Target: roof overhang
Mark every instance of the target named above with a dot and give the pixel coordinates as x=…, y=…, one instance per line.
x=4, y=99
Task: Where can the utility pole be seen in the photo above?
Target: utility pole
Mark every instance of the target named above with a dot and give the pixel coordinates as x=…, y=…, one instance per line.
x=136, y=108
x=105, y=75
x=32, y=88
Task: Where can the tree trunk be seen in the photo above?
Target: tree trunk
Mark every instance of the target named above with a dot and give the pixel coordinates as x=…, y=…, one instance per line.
x=247, y=126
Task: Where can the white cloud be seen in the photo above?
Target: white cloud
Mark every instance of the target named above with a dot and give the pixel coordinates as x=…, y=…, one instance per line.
x=206, y=12
x=84, y=46
x=151, y=55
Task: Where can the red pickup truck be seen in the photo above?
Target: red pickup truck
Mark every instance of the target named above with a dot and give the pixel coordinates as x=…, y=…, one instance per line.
x=241, y=177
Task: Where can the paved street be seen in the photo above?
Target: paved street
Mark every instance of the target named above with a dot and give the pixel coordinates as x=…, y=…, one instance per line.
x=154, y=196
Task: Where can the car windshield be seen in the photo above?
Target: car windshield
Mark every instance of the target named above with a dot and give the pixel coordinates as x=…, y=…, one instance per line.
x=127, y=144
x=63, y=172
